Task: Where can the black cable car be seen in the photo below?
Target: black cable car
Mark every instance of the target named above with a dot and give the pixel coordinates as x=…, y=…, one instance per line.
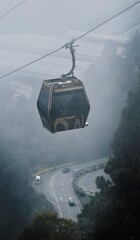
x=63, y=103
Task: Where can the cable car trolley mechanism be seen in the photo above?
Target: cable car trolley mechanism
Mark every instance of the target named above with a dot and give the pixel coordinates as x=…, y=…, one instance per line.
x=63, y=103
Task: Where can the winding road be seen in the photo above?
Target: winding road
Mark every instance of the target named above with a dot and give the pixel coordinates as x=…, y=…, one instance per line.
x=57, y=188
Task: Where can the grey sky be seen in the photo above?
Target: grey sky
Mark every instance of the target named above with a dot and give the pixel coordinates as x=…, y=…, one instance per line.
x=25, y=34
x=28, y=28
x=55, y=17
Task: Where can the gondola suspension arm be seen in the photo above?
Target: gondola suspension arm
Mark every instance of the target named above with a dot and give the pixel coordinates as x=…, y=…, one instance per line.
x=72, y=51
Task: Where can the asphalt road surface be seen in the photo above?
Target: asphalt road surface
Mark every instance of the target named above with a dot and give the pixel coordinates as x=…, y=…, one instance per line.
x=88, y=181
x=57, y=188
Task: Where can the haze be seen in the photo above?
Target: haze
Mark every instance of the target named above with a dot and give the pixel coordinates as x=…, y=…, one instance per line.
x=38, y=27
x=54, y=17
x=35, y=28
x=32, y=30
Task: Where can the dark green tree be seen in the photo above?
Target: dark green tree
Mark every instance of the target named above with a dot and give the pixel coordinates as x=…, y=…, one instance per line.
x=113, y=213
x=109, y=79
x=48, y=226
x=18, y=202
x=124, y=165
x=132, y=50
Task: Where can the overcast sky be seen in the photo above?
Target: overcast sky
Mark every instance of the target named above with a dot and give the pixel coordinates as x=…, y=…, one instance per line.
x=53, y=17
x=31, y=24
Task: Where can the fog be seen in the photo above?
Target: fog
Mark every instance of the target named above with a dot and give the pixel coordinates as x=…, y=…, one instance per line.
x=28, y=32
x=52, y=17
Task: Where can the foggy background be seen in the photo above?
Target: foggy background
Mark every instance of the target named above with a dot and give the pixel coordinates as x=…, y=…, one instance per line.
x=36, y=28
x=47, y=17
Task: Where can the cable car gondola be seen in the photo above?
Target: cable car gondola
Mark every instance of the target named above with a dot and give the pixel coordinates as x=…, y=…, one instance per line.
x=63, y=103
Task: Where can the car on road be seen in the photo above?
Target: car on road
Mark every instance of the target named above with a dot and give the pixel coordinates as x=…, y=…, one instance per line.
x=71, y=202
x=37, y=179
x=66, y=170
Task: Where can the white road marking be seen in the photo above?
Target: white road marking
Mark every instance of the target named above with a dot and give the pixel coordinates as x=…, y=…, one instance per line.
x=55, y=194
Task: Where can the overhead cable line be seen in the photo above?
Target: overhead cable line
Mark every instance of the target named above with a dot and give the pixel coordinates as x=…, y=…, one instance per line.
x=10, y=10
x=36, y=60
x=74, y=40
x=108, y=20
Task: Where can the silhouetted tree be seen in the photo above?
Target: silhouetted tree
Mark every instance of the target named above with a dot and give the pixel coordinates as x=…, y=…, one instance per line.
x=49, y=226
x=18, y=202
x=109, y=79
x=113, y=213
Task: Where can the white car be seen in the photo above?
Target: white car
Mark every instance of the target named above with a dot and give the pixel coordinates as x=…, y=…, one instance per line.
x=71, y=202
x=37, y=179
